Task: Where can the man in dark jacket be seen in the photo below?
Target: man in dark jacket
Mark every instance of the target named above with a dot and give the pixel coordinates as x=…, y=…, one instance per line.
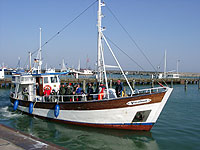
x=62, y=90
x=119, y=88
x=90, y=90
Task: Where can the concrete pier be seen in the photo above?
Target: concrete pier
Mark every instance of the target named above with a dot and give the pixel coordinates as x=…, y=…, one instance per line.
x=11, y=139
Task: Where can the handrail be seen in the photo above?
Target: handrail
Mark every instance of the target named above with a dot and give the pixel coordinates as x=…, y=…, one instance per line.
x=82, y=97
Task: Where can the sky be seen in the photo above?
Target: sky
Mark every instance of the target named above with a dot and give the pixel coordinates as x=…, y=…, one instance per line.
x=155, y=25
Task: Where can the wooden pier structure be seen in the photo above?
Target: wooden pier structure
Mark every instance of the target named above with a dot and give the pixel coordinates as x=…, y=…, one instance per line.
x=136, y=81
x=6, y=83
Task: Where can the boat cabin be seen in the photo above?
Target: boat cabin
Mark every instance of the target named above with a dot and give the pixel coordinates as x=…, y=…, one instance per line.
x=30, y=86
x=47, y=83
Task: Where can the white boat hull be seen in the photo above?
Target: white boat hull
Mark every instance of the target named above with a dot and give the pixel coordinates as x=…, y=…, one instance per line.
x=106, y=117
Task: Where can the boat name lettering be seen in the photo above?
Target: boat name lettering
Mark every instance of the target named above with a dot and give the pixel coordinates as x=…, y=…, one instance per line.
x=141, y=101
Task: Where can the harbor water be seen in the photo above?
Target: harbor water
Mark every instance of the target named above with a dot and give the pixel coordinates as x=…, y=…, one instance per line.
x=178, y=127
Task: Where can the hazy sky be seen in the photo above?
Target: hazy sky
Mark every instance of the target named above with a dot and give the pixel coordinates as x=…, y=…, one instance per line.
x=156, y=26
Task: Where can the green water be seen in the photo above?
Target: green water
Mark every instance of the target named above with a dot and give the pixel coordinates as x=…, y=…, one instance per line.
x=178, y=127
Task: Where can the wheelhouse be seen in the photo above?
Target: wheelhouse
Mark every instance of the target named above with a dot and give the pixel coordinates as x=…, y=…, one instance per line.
x=31, y=86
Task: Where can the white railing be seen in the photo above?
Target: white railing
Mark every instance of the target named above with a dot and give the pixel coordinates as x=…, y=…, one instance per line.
x=150, y=90
x=23, y=79
x=83, y=97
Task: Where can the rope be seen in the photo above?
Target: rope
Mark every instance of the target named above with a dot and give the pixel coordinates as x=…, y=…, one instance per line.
x=34, y=105
x=134, y=42
x=125, y=53
x=68, y=24
x=131, y=38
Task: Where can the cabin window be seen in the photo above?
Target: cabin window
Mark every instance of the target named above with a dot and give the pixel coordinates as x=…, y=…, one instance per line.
x=141, y=116
x=46, y=80
x=54, y=79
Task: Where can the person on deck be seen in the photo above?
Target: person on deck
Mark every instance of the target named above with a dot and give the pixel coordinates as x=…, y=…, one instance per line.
x=69, y=91
x=25, y=93
x=62, y=90
x=53, y=95
x=78, y=91
x=101, y=91
x=119, y=88
x=90, y=90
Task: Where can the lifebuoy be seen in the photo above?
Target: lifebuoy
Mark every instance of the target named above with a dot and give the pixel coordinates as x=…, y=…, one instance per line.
x=47, y=90
x=47, y=87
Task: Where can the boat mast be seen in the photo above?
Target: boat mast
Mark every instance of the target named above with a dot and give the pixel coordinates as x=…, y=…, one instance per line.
x=100, y=56
x=40, y=53
x=99, y=44
x=30, y=60
x=165, y=64
x=177, y=66
x=19, y=63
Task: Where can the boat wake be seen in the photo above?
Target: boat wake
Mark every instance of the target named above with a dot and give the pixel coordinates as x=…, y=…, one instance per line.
x=6, y=113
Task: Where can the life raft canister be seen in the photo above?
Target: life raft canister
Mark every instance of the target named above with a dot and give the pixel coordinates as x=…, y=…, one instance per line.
x=47, y=90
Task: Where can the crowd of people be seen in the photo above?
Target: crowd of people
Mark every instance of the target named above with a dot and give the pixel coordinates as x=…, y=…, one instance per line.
x=69, y=90
x=75, y=92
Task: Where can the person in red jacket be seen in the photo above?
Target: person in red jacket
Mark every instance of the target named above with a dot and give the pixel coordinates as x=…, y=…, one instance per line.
x=101, y=91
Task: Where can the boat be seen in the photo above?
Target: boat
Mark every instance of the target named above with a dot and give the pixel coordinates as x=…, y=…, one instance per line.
x=2, y=74
x=137, y=111
x=169, y=74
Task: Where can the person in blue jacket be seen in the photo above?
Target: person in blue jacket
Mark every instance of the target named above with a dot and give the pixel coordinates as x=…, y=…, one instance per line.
x=78, y=91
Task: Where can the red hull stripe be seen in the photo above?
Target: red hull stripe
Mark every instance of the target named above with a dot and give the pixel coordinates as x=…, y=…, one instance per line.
x=124, y=126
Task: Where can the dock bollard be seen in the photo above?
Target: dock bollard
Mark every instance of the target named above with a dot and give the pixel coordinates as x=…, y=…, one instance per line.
x=172, y=84
x=186, y=82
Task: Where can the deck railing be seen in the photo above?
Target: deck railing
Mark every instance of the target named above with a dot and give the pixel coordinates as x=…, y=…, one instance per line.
x=150, y=90
x=82, y=97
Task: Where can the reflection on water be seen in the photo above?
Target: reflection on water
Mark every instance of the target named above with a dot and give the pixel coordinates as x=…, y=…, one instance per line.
x=76, y=137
